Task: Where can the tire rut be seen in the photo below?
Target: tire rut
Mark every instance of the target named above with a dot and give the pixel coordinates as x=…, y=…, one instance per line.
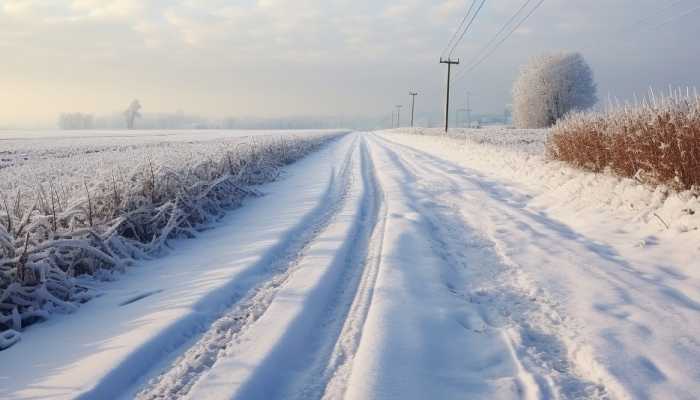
x=502, y=305
x=341, y=328
x=336, y=374
x=178, y=378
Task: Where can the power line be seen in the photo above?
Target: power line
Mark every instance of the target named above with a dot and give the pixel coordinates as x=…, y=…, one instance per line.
x=503, y=29
x=674, y=18
x=466, y=29
x=475, y=64
x=652, y=16
x=479, y=61
x=630, y=29
x=452, y=45
x=459, y=28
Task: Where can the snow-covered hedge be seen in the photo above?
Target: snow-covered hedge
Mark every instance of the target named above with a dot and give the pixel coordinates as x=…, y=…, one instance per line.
x=657, y=141
x=81, y=220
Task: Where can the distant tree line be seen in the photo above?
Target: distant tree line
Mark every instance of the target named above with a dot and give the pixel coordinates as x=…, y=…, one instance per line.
x=133, y=118
x=76, y=121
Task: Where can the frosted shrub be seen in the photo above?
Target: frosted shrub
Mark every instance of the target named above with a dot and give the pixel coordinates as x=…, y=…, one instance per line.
x=656, y=141
x=549, y=87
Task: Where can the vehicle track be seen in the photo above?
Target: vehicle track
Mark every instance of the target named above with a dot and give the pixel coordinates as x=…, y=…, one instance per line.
x=179, y=377
x=492, y=286
x=335, y=334
x=474, y=271
x=567, y=249
x=330, y=377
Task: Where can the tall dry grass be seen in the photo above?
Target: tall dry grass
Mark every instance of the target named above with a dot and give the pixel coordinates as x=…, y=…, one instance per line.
x=656, y=141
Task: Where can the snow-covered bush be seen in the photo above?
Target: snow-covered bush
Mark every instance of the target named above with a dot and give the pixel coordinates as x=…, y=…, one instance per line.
x=550, y=86
x=73, y=226
x=656, y=141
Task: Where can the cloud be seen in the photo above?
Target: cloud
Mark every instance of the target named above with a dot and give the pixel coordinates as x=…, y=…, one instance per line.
x=310, y=55
x=20, y=7
x=108, y=8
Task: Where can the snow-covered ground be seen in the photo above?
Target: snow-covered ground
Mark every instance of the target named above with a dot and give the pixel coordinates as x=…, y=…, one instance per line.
x=394, y=265
x=77, y=206
x=29, y=158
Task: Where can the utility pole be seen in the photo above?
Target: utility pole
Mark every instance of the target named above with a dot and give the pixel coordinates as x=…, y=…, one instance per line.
x=413, y=105
x=458, y=111
x=449, y=63
x=398, y=116
x=469, y=111
x=392, y=118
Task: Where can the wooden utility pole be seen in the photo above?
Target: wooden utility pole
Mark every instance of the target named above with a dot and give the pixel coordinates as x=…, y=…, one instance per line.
x=469, y=111
x=449, y=63
x=413, y=105
x=398, y=116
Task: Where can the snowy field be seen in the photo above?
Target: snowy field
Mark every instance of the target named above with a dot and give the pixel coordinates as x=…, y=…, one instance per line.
x=68, y=159
x=79, y=205
x=403, y=265
x=46, y=150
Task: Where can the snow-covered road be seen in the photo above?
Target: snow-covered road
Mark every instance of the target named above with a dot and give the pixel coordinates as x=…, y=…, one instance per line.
x=379, y=270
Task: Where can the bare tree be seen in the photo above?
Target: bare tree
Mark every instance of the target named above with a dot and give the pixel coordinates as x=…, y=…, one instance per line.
x=132, y=113
x=549, y=87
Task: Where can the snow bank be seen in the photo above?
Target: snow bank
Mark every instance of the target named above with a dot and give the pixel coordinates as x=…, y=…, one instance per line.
x=594, y=248
x=517, y=156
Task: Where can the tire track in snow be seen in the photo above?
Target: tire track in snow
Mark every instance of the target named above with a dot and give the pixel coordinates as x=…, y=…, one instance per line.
x=178, y=378
x=519, y=314
x=331, y=381
x=615, y=274
x=352, y=274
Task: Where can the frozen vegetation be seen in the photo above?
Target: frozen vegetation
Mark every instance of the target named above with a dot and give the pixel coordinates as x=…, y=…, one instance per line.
x=549, y=87
x=88, y=206
x=656, y=141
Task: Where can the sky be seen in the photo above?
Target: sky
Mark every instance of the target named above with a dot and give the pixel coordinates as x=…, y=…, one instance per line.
x=280, y=58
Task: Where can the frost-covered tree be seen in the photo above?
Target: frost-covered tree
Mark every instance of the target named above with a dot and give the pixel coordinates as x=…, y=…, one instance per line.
x=132, y=113
x=550, y=86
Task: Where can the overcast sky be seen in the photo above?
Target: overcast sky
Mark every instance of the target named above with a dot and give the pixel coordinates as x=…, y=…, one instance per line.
x=315, y=57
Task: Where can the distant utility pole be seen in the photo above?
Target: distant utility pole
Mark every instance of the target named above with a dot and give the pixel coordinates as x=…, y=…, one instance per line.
x=459, y=111
x=469, y=111
x=413, y=105
x=392, y=118
x=398, y=116
x=449, y=63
